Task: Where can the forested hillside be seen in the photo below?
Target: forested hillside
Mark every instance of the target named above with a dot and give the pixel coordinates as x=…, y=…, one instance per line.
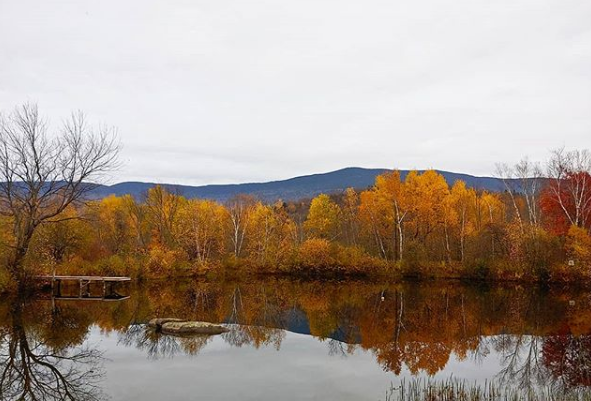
x=289, y=190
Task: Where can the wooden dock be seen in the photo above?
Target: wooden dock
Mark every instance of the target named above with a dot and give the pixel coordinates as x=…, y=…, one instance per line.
x=106, y=284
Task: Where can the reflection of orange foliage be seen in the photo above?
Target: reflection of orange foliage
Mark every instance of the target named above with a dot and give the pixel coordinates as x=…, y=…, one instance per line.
x=418, y=327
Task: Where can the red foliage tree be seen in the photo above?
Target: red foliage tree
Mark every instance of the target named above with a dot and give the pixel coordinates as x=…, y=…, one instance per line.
x=566, y=201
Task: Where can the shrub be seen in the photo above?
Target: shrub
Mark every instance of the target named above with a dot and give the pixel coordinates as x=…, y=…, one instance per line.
x=113, y=266
x=578, y=252
x=163, y=262
x=354, y=259
x=535, y=253
x=315, y=253
x=414, y=260
x=578, y=244
x=479, y=269
x=541, y=252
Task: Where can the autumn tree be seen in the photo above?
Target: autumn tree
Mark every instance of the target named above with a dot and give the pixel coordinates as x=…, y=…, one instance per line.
x=111, y=221
x=567, y=198
x=239, y=208
x=57, y=241
x=578, y=244
x=425, y=193
x=41, y=175
x=138, y=221
x=202, y=229
x=323, y=218
x=492, y=207
x=462, y=199
x=162, y=208
x=391, y=190
x=350, y=216
x=264, y=226
x=376, y=223
x=272, y=234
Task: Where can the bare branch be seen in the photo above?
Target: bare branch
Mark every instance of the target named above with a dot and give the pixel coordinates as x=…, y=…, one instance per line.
x=41, y=175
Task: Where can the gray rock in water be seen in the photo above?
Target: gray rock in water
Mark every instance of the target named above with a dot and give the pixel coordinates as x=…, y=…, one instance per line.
x=157, y=323
x=185, y=328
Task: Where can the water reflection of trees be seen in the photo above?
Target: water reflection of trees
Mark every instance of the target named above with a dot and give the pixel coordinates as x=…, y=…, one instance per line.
x=568, y=359
x=418, y=327
x=34, y=366
x=540, y=335
x=157, y=345
x=521, y=361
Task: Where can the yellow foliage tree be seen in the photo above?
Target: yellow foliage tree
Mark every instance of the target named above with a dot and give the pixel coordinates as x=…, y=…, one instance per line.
x=323, y=218
x=377, y=222
x=351, y=216
x=202, y=229
x=461, y=200
x=392, y=191
x=161, y=213
x=426, y=195
x=578, y=244
x=112, y=224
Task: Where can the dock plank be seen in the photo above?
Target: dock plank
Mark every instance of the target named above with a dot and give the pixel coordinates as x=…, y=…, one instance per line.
x=85, y=278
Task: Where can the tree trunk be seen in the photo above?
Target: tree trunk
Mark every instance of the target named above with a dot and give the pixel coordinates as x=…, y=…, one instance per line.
x=15, y=264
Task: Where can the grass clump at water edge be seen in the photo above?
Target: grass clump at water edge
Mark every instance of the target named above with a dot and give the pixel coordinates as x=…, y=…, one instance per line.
x=462, y=390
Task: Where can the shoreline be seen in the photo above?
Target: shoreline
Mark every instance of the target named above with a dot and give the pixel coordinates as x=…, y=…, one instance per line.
x=239, y=275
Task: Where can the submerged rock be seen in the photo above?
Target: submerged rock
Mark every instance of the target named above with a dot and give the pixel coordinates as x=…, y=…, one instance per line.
x=157, y=323
x=185, y=328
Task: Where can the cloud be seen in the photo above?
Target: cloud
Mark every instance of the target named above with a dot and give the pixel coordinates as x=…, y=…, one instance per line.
x=234, y=91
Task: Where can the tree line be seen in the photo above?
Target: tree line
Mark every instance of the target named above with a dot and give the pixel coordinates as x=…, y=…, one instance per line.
x=537, y=228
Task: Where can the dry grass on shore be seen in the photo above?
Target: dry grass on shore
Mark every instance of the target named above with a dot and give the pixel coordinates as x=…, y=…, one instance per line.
x=461, y=390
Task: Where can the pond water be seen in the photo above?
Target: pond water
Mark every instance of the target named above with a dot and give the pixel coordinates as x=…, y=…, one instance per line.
x=293, y=340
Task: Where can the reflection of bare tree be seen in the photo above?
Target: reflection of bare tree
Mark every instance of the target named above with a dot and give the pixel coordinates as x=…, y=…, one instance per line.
x=337, y=348
x=481, y=351
x=521, y=360
x=237, y=305
x=30, y=369
x=199, y=300
x=158, y=345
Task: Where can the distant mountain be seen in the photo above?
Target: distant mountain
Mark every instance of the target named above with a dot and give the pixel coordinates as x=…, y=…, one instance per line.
x=292, y=189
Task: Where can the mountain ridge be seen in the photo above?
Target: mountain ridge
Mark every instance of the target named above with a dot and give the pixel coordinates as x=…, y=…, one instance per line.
x=300, y=187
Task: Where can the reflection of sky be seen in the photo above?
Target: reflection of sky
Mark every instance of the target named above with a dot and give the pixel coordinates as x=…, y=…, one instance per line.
x=302, y=369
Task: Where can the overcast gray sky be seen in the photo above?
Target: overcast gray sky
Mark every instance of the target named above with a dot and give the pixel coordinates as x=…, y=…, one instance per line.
x=222, y=91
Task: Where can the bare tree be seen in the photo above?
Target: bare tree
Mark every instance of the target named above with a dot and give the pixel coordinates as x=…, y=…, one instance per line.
x=523, y=179
x=41, y=175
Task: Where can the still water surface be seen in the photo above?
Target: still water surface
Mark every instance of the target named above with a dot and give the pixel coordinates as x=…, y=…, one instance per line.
x=293, y=340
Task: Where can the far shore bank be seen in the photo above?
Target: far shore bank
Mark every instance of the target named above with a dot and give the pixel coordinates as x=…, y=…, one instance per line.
x=383, y=274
